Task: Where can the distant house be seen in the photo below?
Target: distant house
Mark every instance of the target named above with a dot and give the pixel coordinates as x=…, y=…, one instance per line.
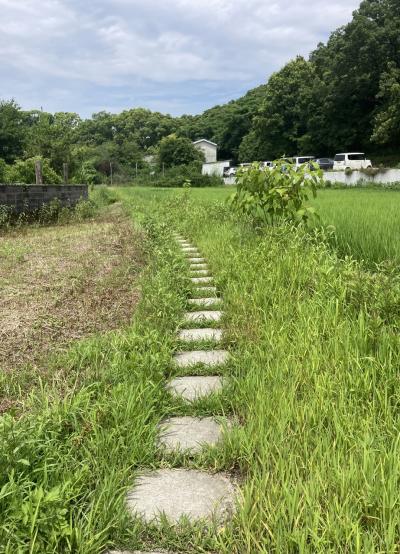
x=208, y=148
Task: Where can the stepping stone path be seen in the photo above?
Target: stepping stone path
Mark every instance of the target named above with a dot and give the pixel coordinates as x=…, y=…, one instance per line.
x=177, y=493
x=181, y=492
x=203, y=316
x=204, y=301
x=189, y=433
x=192, y=388
x=198, y=280
x=208, y=358
x=190, y=335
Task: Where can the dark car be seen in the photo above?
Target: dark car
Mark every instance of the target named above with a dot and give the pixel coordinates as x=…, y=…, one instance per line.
x=325, y=163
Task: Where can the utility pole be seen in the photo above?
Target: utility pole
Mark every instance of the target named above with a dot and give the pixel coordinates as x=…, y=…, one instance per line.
x=65, y=168
x=163, y=169
x=38, y=172
x=136, y=169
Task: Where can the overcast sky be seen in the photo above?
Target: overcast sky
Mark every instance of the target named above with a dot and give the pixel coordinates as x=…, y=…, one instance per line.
x=175, y=56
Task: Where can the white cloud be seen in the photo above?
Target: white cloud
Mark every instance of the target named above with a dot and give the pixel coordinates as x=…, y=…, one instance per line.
x=107, y=45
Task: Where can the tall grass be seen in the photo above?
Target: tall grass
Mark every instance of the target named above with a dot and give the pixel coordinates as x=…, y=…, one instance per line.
x=366, y=221
x=315, y=386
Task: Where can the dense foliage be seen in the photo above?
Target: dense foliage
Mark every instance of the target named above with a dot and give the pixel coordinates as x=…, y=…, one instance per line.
x=275, y=194
x=346, y=96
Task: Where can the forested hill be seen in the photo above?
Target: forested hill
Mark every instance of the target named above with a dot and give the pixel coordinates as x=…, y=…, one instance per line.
x=346, y=96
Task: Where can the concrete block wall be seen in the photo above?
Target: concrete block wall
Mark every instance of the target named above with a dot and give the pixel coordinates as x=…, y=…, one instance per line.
x=28, y=198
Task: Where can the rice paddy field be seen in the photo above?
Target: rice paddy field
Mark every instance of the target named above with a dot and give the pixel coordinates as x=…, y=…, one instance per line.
x=312, y=324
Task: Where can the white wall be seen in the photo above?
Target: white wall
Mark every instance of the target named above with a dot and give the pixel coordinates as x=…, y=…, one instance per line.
x=383, y=177
x=215, y=168
x=210, y=151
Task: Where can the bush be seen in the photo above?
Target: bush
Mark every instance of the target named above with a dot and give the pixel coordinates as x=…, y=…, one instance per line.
x=177, y=176
x=87, y=174
x=23, y=171
x=272, y=194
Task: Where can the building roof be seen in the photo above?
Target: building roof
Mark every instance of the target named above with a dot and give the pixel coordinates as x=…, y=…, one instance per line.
x=205, y=140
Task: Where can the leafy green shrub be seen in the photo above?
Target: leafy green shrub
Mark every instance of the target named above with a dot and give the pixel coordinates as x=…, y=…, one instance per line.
x=178, y=175
x=272, y=194
x=3, y=169
x=84, y=209
x=87, y=174
x=23, y=171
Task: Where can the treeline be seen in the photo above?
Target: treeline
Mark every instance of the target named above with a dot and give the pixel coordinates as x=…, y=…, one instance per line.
x=345, y=97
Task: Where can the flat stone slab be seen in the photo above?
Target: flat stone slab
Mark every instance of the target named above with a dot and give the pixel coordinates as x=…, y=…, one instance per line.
x=182, y=492
x=199, y=272
x=189, y=249
x=189, y=335
x=197, y=260
x=189, y=433
x=192, y=388
x=198, y=280
x=204, y=301
x=209, y=358
x=205, y=315
x=136, y=552
x=196, y=267
x=206, y=289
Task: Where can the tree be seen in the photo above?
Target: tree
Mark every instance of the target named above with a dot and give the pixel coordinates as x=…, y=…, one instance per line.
x=387, y=119
x=281, y=125
x=175, y=150
x=12, y=131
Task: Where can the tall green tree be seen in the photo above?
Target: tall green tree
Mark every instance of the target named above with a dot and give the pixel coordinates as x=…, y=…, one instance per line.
x=174, y=151
x=12, y=131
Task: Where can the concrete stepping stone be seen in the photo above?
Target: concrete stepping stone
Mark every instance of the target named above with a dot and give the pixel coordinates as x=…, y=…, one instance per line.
x=206, y=289
x=189, y=249
x=196, y=267
x=189, y=433
x=205, y=315
x=198, y=280
x=189, y=335
x=193, y=387
x=136, y=552
x=197, y=260
x=199, y=272
x=209, y=358
x=204, y=301
x=198, y=495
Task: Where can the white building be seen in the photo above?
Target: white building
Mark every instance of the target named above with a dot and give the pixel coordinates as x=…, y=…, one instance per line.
x=216, y=168
x=208, y=148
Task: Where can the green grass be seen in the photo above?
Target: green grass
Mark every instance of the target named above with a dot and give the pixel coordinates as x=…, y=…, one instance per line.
x=313, y=390
x=315, y=384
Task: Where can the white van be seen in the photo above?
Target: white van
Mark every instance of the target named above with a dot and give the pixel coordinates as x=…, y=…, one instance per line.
x=300, y=160
x=351, y=160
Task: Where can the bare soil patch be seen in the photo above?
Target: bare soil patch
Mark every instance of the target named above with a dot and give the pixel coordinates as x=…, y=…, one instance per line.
x=60, y=284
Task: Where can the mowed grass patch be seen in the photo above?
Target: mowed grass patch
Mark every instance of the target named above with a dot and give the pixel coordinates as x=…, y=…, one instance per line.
x=315, y=384
x=61, y=284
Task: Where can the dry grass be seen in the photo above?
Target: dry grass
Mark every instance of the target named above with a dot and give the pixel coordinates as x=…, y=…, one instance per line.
x=60, y=284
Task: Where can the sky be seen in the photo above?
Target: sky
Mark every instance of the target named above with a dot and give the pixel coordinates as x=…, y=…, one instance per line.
x=172, y=56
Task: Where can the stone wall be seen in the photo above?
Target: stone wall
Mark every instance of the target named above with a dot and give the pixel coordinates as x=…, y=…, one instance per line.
x=27, y=198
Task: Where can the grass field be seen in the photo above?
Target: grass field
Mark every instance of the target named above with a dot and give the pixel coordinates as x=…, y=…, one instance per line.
x=366, y=220
x=314, y=391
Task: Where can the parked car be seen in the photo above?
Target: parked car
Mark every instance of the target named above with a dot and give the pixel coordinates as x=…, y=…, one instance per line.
x=301, y=160
x=325, y=163
x=267, y=164
x=229, y=171
x=351, y=160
